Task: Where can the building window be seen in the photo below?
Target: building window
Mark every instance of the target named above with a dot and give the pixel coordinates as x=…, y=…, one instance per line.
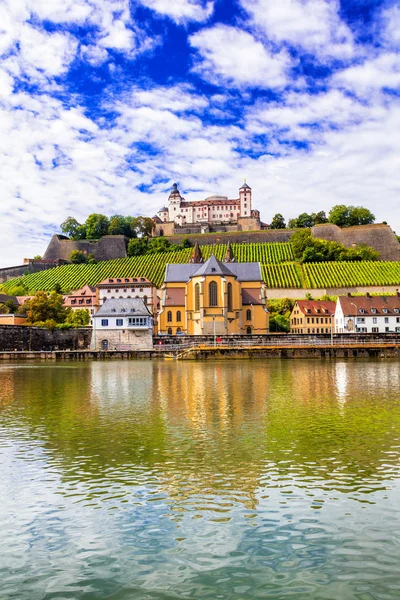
x=229, y=297
x=374, y=319
x=213, y=292
x=386, y=319
x=248, y=315
x=120, y=322
x=179, y=316
x=197, y=296
x=104, y=322
x=248, y=330
x=169, y=331
x=169, y=316
x=178, y=330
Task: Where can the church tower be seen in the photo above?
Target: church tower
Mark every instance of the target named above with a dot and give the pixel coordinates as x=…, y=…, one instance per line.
x=245, y=200
x=174, y=202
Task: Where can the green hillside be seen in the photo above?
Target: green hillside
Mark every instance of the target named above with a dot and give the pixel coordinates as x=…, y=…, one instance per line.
x=279, y=269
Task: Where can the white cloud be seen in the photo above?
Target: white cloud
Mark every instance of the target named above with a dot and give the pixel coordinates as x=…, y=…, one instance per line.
x=374, y=74
x=234, y=56
x=389, y=26
x=51, y=53
x=182, y=10
x=313, y=25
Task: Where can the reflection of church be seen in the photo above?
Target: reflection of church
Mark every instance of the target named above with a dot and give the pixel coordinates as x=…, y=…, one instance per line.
x=213, y=297
x=215, y=213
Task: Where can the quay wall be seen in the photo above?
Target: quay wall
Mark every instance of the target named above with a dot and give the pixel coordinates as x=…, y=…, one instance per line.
x=21, y=338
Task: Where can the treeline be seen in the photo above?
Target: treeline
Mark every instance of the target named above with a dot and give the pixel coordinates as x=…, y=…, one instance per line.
x=98, y=225
x=307, y=249
x=340, y=215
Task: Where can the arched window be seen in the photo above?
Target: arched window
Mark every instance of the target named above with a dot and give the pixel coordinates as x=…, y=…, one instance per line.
x=169, y=330
x=229, y=296
x=248, y=315
x=248, y=331
x=178, y=330
x=197, y=296
x=169, y=316
x=178, y=316
x=213, y=292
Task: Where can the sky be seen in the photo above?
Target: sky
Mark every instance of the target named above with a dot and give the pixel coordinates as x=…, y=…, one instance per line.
x=105, y=104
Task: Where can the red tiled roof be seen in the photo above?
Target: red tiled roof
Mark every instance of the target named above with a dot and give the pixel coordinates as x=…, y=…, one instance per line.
x=175, y=297
x=123, y=281
x=366, y=304
x=317, y=307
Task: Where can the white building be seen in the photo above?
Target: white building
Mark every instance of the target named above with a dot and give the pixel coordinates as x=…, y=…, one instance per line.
x=126, y=288
x=214, y=209
x=123, y=324
x=368, y=314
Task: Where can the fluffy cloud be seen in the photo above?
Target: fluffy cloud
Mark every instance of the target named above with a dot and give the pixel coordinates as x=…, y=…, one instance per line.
x=181, y=10
x=235, y=57
x=313, y=25
x=373, y=74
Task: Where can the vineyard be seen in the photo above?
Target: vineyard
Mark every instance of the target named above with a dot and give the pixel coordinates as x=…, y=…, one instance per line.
x=278, y=268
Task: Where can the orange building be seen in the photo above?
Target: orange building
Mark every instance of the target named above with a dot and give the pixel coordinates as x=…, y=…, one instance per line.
x=312, y=316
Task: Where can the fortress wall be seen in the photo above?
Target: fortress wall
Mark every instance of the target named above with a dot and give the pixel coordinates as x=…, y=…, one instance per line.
x=379, y=236
x=31, y=267
x=237, y=237
x=108, y=247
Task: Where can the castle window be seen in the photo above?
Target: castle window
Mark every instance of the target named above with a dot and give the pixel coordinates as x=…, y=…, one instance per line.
x=248, y=315
x=197, y=296
x=229, y=297
x=169, y=316
x=213, y=292
x=179, y=316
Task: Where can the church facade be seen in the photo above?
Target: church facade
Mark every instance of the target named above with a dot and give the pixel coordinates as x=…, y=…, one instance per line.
x=213, y=298
x=215, y=213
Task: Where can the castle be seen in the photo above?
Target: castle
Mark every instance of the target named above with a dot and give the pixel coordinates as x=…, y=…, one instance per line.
x=215, y=213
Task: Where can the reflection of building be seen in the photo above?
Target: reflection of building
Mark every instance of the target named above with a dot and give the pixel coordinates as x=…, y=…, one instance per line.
x=368, y=314
x=312, y=316
x=123, y=323
x=213, y=298
x=85, y=298
x=212, y=213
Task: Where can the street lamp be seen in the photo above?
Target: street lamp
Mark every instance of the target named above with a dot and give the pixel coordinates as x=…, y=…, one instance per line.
x=355, y=318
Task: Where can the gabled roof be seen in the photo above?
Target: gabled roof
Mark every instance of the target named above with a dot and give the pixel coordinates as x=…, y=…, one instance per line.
x=242, y=271
x=382, y=305
x=317, y=307
x=123, y=307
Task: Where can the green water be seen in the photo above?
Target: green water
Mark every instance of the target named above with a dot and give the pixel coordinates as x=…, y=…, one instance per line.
x=216, y=481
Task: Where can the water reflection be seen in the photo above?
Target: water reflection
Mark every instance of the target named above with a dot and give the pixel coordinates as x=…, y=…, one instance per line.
x=177, y=479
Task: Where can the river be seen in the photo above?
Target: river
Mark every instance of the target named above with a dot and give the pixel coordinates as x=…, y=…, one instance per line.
x=231, y=480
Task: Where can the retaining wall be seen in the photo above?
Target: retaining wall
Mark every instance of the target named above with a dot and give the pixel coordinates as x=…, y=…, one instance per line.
x=23, y=338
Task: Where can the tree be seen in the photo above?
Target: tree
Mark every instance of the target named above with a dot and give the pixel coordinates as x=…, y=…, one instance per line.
x=78, y=318
x=91, y=259
x=37, y=257
x=142, y=226
x=96, y=226
x=77, y=257
x=69, y=227
x=57, y=288
x=137, y=246
x=319, y=218
x=120, y=225
x=347, y=216
x=278, y=222
x=300, y=240
x=4, y=310
x=45, y=307
x=158, y=244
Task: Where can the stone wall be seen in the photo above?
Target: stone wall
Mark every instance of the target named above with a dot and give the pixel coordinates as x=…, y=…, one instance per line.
x=237, y=237
x=137, y=340
x=21, y=337
x=108, y=247
x=379, y=236
x=33, y=266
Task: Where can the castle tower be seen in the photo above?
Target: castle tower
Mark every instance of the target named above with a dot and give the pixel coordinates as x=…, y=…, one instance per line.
x=245, y=200
x=229, y=256
x=174, y=202
x=196, y=256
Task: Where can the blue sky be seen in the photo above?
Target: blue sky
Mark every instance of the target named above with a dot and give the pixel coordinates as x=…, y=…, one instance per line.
x=104, y=104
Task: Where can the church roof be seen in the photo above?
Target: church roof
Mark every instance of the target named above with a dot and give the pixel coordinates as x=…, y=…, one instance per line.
x=242, y=271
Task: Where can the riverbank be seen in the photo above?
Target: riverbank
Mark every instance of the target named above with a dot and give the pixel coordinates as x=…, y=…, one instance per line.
x=384, y=350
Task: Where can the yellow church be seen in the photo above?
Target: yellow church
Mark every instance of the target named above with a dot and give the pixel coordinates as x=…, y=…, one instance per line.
x=213, y=297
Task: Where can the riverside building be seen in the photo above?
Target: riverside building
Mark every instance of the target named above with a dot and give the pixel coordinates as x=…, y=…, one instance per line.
x=368, y=314
x=312, y=316
x=123, y=324
x=213, y=297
